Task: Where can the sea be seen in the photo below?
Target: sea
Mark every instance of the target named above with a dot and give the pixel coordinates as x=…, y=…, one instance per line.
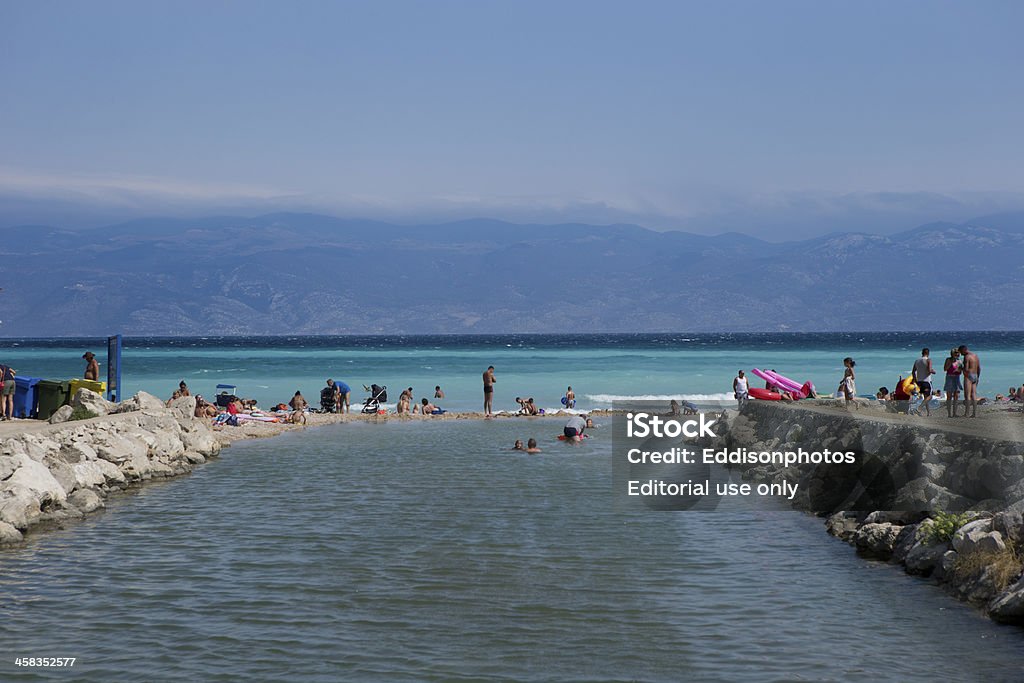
x=429, y=551
x=601, y=369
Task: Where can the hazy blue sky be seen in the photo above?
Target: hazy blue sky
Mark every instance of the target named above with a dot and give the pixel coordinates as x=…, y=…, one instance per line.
x=702, y=115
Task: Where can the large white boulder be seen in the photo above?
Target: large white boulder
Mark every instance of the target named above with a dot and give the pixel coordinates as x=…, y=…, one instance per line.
x=35, y=477
x=62, y=414
x=89, y=473
x=19, y=507
x=92, y=402
x=9, y=535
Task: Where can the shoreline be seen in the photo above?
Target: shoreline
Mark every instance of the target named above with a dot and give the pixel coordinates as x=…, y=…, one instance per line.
x=959, y=490
x=228, y=435
x=56, y=473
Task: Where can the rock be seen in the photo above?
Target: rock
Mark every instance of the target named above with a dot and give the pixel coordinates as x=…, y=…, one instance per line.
x=983, y=525
x=842, y=525
x=9, y=535
x=35, y=477
x=922, y=494
x=184, y=408
x=118, y=449
x=1009, y=523
x=7, y=466
x=89, y=474
x=932, y=471
x=200, y=439
x=923, y=558
x=976, y=588
x=85, y=500
x=876, y=540
x=110, y=471
x=904, y=542
x=195, y=458
x=62, y=414
x=64, y=475
x=92, y=402
x=945, y=567
x=146, y=401
x=1008, y=607
x=898, y=517
x=19, y=507
x=979, y=541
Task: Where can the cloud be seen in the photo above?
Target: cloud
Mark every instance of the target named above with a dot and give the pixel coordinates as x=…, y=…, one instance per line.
x=81, y=200
x=124, y=189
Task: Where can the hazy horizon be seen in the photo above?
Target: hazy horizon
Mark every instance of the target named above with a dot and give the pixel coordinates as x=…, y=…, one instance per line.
x=782, y=121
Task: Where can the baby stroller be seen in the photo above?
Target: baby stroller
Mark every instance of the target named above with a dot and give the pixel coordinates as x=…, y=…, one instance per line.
x=378, y=395
x=328, y=399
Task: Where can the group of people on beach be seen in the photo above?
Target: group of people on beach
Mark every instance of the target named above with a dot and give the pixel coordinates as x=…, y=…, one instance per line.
x=962, y=370
x=407, y=404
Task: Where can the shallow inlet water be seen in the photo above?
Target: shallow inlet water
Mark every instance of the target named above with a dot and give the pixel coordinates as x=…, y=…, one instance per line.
x=429, y=552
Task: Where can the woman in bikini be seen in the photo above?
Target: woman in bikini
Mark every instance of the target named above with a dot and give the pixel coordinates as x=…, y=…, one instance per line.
x=952, y=387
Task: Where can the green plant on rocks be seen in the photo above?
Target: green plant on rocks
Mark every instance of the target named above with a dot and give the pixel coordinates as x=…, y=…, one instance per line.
x=81, y=413
x=944, y=525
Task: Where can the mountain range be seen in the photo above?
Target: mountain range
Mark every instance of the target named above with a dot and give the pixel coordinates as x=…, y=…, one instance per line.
x=312, y=274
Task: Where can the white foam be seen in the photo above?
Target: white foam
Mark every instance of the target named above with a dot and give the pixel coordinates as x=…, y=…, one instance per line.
x=694, y=398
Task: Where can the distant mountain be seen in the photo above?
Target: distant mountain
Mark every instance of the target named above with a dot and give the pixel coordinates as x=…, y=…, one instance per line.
x=312, y=274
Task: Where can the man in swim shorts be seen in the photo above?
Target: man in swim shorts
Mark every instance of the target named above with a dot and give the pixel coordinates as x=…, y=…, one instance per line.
x=344, y=391
x=489, y=381
x=972, y=376
x=922, y=373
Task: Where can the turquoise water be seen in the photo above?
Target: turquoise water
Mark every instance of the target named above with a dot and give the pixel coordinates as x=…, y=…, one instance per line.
x=600, y=368
x=427, y=552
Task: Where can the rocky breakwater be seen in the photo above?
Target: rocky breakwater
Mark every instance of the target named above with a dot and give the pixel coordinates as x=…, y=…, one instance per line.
x=57, y=472
x=942, y=499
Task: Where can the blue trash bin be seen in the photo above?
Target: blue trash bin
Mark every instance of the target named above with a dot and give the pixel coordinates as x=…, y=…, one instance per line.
x=25, y=398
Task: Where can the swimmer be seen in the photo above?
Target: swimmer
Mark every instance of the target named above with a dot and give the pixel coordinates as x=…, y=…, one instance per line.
x=531, y=446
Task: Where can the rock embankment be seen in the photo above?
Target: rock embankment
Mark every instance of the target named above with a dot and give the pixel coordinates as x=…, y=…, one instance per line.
x=952, y=497
x=53, y=473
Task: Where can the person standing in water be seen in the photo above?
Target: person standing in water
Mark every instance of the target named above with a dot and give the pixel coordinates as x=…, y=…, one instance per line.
x=740, y=389
x=570, y=398
x=971, y=369
x=922, y=374
x=489, y=381
x=92, y=366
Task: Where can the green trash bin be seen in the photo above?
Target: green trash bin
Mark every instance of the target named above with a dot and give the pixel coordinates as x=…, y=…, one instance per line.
x=52, y=395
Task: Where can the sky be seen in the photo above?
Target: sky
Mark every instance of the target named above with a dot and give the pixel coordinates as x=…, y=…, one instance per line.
x=778, y=119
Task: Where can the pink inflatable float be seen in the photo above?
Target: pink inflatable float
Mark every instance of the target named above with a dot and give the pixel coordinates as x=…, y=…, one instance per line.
x=803, y=390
